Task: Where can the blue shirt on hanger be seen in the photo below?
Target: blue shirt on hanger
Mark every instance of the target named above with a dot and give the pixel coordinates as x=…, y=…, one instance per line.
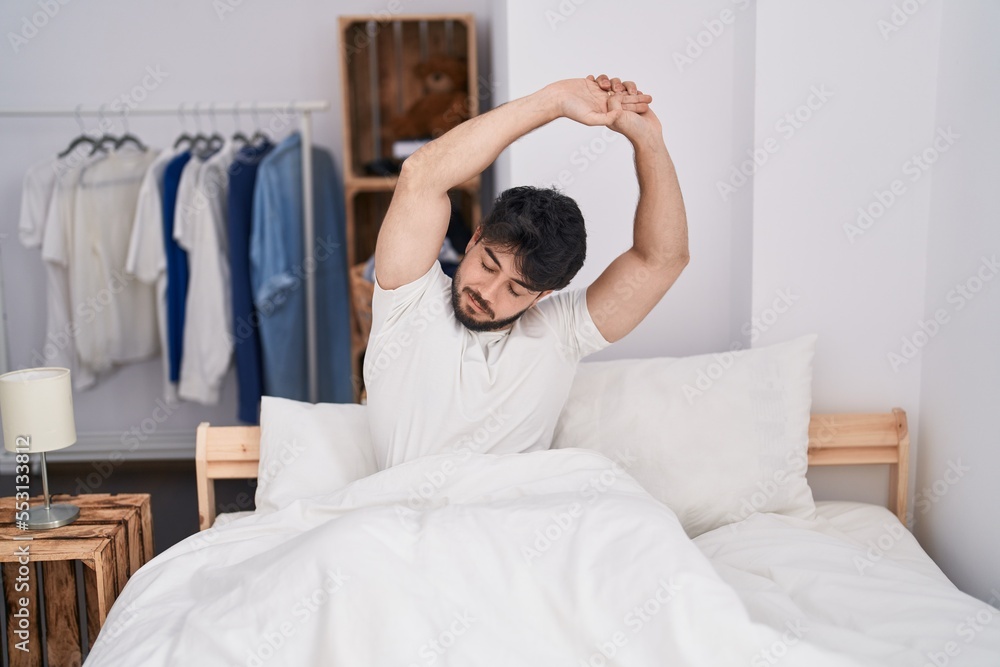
x=177, y=265
x=278, y=270
x=246, y=340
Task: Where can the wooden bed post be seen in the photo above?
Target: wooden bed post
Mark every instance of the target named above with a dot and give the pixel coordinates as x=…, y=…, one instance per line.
x=206, y=485
x=899, y=472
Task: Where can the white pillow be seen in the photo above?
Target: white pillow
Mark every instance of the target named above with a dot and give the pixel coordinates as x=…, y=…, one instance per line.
x=310, y=450
x=715, y=437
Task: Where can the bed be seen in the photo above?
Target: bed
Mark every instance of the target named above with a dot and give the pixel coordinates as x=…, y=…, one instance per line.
x=607, y=548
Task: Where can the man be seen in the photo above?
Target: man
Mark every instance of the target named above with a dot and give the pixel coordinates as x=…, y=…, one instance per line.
x=484, y=362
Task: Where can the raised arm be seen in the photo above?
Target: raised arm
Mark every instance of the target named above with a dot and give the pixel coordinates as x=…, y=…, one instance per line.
x=415, y=225
x=635, y=281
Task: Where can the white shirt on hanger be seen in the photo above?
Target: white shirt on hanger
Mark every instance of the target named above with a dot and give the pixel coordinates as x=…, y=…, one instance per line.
x=60, y=343
x=36, y=193
x=185, y=205
x=147, y=259
x=117, y=321
x=208, y=344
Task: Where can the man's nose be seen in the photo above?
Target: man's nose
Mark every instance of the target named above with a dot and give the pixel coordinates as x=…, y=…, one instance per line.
x=490, y=289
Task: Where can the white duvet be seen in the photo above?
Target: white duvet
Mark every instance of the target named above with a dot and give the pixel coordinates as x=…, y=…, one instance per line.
x=546, y=558
x=854, y=579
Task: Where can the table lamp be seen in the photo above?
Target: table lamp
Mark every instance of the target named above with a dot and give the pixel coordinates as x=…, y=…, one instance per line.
x=36, y=405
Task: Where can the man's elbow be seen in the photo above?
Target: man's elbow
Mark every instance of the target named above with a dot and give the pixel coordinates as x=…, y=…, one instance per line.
x=410, y=172
x=417, y=178
x=673, y=261
x=681, y=258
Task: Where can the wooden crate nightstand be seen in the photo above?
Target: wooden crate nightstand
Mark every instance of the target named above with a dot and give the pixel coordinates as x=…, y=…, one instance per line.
x=112, y=539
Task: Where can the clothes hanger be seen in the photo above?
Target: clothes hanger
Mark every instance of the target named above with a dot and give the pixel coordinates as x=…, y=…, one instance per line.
x=105, y=138
x=129, y=137
x=199, y=145
x=216, y=141
x=259, y=138
x=238, y=135
x=83, y=137
x=185, y=137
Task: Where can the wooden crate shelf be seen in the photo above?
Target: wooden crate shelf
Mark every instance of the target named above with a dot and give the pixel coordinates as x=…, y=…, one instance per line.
x=112, y=539
x=378, y=54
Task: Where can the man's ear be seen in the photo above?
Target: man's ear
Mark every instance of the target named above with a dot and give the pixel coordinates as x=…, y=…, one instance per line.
x=473, y=240
x=541, y=296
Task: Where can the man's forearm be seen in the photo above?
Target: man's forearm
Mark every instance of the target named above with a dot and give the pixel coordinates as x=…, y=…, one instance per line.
x=467, y=150
x=660, y=233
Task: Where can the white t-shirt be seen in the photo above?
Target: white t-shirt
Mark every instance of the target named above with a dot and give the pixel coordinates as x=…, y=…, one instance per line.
x=118, y=324
x=36, y=193
x=208, y=345
x=62, y=323
x=147, y=259
x=435, y=386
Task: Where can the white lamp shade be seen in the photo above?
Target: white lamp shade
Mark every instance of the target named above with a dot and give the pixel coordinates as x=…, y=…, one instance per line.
x=36, y=405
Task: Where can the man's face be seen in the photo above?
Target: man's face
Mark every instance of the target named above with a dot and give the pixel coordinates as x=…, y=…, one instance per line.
x=486, y=292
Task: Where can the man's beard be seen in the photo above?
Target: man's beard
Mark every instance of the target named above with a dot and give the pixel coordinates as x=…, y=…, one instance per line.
x=462, y=315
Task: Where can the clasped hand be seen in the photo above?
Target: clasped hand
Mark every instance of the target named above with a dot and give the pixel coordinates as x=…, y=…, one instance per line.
x=618, y=105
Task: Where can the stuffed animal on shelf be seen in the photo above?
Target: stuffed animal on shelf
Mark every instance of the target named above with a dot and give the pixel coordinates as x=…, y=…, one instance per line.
x=443, y=105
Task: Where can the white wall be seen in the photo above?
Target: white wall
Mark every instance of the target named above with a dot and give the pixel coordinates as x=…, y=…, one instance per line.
x=702, y=106
x=92, y=53
x=859, y=290
x=860, y=80
x=957, y=473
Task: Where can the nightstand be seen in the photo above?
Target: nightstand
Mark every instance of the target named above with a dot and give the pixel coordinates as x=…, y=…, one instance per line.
x=111, y=540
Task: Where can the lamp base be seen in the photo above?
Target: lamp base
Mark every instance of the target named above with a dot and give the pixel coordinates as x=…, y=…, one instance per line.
x=53, y=516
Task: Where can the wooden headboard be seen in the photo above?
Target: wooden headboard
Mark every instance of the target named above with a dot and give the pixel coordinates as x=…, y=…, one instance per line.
x=232, y=452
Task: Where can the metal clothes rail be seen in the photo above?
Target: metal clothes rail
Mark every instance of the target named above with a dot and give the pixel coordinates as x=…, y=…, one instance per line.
x=305, y=111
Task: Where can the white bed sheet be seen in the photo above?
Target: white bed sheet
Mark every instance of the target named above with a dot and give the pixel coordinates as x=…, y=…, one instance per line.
x=853, y=576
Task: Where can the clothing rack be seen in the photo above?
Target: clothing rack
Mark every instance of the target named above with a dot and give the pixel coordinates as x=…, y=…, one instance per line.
x=304, y=111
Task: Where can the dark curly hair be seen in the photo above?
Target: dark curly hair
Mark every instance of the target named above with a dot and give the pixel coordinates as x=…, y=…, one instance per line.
x=543, y=229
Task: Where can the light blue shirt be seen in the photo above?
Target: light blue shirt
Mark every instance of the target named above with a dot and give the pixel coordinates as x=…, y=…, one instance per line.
x=278, y=273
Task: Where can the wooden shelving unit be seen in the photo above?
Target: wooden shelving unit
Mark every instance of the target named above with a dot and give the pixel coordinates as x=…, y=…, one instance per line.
x=378, y=54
